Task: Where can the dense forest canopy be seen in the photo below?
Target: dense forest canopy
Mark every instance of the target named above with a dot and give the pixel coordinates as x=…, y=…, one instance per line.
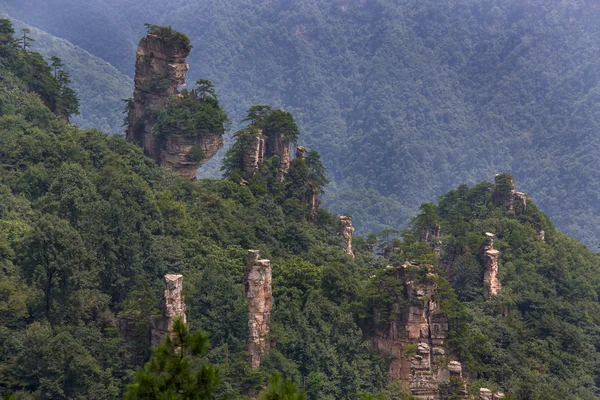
x=404, y=99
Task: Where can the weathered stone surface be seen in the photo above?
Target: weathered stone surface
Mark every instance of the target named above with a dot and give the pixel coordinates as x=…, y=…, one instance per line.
x=260, y=301
x=490, y=260
x=419, y=325
x=160, y=69
x=505, y=195
x=346, y=230
x=173, y=308
x=253, y=153
x=281, y=147
x=487, y=394
x=540, y=235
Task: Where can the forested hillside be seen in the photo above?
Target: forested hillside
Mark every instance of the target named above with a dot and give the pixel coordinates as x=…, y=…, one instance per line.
x=90, y=225
x=403, y=98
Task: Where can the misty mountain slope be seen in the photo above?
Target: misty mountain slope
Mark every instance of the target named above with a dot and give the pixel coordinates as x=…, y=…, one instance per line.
x=405, y=98
x=99, y=85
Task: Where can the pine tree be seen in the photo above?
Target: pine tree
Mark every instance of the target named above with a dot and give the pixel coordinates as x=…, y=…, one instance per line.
x=176, y=369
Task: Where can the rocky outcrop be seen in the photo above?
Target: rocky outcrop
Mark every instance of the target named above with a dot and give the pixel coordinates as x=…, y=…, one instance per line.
x=414, y=340
x=173, y=308
x=280, y=146
x=175, y=153
x=260, y=301
x=160, y=69
x=490, y=263
x=253, y=153
x=540, y=235
x=506, y=196
x=487, y=394
x=346, y=230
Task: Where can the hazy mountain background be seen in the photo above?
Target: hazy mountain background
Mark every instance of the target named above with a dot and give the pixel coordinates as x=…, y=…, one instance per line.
x=404, y=99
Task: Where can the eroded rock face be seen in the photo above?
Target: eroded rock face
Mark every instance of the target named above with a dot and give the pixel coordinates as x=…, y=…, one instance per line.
x=490, y=257
x=487, y=394
x=415, y=339
x=260, y=301
x=160, y=69
x=173, y=308
x=505, y=195
x=175, y=153
x=281, y=147
x=346, y=231
x=253, y=153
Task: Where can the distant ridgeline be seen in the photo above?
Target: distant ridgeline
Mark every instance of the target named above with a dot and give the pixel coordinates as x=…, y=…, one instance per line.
x=105, y=252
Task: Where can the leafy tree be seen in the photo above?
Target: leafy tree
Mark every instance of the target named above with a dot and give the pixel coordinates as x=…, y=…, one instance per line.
x=25, y=39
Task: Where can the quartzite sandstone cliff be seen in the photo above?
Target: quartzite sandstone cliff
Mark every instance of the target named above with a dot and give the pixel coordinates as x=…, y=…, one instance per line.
x=160, y=69
x=414, y=339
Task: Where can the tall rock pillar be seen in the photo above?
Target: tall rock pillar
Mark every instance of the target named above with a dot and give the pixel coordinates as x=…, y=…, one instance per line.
x=160, y=70
x=173, y=308
x=260, y=302
x=347, y=229
x=490, y=260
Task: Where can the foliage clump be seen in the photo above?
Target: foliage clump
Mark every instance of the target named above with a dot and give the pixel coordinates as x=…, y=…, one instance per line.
x=170, y=36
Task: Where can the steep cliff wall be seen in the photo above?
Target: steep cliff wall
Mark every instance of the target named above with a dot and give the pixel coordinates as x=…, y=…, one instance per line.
x=414, y=340
x=259, y=294
x=160, y=70
x=253, y=153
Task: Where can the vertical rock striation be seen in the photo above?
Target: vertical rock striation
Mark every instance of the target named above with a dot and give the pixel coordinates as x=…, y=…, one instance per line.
x=432, y=234
x=260, y=302
x=253, y=153
x=414, y=341
x=490, y=263
x=160, y=69
x=347, y=229
x=173, y=308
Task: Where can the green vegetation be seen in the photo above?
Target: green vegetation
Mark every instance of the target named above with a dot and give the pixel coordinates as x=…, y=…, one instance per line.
x=175, y=38
x=192, y=113
x=89, y=225
x=404, y=99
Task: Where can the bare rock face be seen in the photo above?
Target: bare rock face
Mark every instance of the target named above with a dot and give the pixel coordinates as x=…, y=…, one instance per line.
x=260, y=302
x=414, y=341
x=490, y=275
x=487, y=394
x=281, y=147
x=174, y=308
x=175, y=153
x=160, y=69
x=540, y=235
x=253, y=153
x=505, y=194
x=346, y=231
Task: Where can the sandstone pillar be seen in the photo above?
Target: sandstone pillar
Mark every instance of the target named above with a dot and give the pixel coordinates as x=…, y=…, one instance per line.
x=347, y=229
x=174, y=308
x=260, y=301
x=490, y=260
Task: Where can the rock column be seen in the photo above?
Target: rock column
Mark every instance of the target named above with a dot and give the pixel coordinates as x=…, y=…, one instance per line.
x=346, y=231
x=174, y=308
x=490, y=275
x=260, y=301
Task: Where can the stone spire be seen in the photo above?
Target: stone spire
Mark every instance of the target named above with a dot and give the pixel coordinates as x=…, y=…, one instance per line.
x=174, y=308
x=505, y=194
x=346, y=230
x=260, y=302
x=160, y=70
x=490, y=275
